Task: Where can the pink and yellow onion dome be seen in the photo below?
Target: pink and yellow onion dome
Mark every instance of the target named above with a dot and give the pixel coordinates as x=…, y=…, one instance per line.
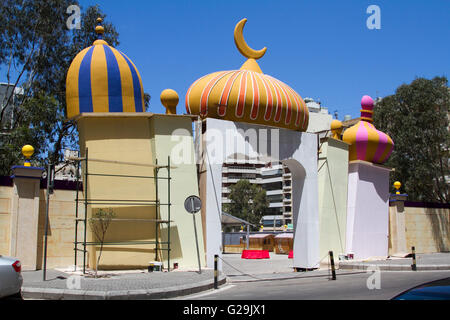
x=366, y=142
x=247, y=95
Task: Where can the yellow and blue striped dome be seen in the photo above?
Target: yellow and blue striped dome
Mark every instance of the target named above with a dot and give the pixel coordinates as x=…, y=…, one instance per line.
x=103, y=79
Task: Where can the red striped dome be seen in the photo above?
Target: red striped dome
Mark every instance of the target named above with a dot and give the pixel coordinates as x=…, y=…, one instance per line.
x=247, y=95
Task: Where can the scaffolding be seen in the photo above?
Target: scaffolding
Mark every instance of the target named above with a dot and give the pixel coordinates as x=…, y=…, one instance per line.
x=83, y=220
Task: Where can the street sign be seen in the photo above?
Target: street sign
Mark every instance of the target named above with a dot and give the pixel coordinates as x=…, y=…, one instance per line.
x=192, y=204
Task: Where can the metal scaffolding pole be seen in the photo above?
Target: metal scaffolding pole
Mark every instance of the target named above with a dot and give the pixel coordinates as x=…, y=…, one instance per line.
x=168, y=213
x=156, y=202
x=49, y=190
x=76, y=213
x=85, y=190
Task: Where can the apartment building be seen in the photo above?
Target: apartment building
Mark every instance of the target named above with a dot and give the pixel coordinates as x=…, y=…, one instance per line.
x=275, y=178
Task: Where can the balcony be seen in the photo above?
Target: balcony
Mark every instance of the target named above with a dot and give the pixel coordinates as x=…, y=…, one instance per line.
x=235, y=180
x=271, y=180
x=274, y=192
x=239, y=170
x=276, y=205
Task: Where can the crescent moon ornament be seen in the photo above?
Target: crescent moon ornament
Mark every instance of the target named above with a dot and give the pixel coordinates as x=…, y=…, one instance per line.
x=242, y=46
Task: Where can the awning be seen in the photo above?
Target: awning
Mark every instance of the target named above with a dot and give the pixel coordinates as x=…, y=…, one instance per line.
x=260, y=235
x=228, y=219
x=285, y=235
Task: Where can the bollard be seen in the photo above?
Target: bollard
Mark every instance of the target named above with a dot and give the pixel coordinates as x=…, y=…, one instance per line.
x=413, y=266
x=216, y=258
x=333, y=270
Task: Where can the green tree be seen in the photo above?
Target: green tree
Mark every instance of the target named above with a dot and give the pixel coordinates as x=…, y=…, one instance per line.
x=248, y=201
x=417, y=119
x=36, y=50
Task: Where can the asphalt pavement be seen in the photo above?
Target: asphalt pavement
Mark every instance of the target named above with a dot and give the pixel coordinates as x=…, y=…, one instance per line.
x=347, y=286
x=273, y=272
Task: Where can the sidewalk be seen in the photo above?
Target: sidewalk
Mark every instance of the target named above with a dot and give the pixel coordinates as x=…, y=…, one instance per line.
x=432, y=261
x=125, y=285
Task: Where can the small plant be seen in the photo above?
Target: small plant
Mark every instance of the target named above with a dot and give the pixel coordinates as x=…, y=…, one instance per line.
x=99, y=224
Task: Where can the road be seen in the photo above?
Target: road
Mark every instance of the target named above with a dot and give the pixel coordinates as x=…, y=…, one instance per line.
x=351, y=286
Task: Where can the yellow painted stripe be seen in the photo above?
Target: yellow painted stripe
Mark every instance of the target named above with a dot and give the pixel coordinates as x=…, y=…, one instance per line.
x=72, y=99
x=140, y=83
x=350, y=136
x=99, y=80
x=372, y=141
x=142, y=90
x=385, y=154
x=126, y=80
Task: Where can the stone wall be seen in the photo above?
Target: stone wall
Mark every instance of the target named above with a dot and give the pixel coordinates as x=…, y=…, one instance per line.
x=61, y=231
x=424, y=226
x=6, y=192
x=428, y=229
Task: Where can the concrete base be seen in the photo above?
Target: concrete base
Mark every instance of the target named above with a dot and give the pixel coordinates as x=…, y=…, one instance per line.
x=367, y=210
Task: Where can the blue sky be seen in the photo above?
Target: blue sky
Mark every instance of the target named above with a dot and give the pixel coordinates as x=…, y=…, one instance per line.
x=322, y=49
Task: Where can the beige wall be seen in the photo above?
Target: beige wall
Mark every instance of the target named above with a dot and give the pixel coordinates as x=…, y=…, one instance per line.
x=172, y=136
x=61, y=227
x=143, y=139
x=147, y=138
x=427, y=229
x=333, y=180
x=5, y=217
x=124, y=139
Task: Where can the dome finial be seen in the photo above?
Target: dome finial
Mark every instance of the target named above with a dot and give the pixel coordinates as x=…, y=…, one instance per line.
x=99, y=28
x=242, y=46
x=397, y=185
x=169, y=99
x=336, y=129
x=27, y=152
x=367, y=108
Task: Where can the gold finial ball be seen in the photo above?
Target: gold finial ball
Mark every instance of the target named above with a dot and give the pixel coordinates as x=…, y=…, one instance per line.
x=27, y=152
x=99, y=30
x=169, y=99
x=397, y=185
x=336, y=128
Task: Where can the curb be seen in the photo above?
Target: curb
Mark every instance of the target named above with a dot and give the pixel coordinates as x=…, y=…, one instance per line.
x=160, y=293
x=393, y=267
x=293, y=276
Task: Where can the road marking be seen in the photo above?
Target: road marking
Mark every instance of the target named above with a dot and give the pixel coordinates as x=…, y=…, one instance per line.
x=209, y=292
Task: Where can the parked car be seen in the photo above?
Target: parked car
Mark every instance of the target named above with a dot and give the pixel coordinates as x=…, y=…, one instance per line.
x=10, y=277
x=436, y=290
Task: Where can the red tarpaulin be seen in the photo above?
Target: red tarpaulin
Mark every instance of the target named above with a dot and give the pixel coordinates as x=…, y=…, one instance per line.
x=291, y=254
x=255, y=254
